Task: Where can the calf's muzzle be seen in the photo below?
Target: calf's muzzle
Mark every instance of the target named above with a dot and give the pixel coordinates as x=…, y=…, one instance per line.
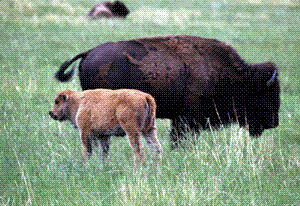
x=53, y=116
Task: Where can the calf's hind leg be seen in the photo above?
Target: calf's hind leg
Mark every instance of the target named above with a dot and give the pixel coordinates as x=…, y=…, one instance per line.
x=127, y=120
x=137, y=147
x=134, y=135
x=153, y=142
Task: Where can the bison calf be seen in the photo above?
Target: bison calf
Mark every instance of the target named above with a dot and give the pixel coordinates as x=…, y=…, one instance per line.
x=101, y=113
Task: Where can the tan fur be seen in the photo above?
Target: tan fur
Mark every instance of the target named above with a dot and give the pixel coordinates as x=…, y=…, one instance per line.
x=103, y=112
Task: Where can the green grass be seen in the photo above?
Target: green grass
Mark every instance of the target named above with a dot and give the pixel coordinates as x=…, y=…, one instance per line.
x=40, y=159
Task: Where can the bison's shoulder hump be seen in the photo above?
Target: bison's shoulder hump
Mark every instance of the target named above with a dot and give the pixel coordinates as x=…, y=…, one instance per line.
x=134, y=48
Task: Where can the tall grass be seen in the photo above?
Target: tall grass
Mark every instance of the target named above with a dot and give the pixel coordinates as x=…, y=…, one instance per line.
x=40, y=159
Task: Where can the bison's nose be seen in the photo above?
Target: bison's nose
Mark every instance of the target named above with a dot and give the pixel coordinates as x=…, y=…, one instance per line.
x=52, y=115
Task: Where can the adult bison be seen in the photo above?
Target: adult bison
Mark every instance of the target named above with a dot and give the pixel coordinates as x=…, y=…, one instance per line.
x=197, y=82
x=109, y=10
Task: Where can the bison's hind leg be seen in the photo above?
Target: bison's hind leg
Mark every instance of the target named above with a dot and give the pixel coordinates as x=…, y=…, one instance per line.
x=178, y=131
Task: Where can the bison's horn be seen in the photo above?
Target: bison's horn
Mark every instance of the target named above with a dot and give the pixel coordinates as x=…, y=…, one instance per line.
x=271, y=80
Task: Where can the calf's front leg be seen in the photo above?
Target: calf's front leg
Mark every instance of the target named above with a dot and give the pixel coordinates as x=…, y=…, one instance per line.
x=105, y=142
x=86, y=144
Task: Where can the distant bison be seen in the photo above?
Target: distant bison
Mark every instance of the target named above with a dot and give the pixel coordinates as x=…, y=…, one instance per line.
x=109, y=10
x=197, y=82
x=101, y=113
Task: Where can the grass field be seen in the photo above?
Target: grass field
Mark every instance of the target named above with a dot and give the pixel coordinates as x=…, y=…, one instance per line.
x=40, y=159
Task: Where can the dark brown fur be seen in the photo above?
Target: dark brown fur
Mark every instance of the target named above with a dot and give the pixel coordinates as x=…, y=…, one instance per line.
x=198, y=82
x=109, y=10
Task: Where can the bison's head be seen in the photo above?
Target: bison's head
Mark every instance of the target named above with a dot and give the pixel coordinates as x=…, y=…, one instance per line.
x=60, y=108
x=263, y=101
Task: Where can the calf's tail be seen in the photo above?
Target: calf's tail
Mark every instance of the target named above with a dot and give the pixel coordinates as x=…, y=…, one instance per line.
x=152, y=112
x=65, y=77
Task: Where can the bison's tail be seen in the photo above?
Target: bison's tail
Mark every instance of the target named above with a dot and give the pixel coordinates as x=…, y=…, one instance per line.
x=152, y=113
x=64, y=77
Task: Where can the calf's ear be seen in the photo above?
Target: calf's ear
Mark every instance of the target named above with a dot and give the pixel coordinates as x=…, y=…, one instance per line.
x=65, y=97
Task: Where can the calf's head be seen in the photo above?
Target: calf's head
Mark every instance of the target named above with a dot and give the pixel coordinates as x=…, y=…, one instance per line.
x=60, y=108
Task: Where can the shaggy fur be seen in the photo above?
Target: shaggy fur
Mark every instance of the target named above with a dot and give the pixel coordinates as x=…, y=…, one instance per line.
x=198, y=83
x=101, y=113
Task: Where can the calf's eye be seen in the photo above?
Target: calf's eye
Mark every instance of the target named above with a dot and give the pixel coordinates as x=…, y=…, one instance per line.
x=56, y=102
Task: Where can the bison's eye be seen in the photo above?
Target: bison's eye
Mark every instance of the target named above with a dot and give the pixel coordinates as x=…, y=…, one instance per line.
x=56, y=102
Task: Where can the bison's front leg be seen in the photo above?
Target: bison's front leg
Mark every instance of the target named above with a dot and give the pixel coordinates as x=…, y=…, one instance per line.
x=256, y=131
